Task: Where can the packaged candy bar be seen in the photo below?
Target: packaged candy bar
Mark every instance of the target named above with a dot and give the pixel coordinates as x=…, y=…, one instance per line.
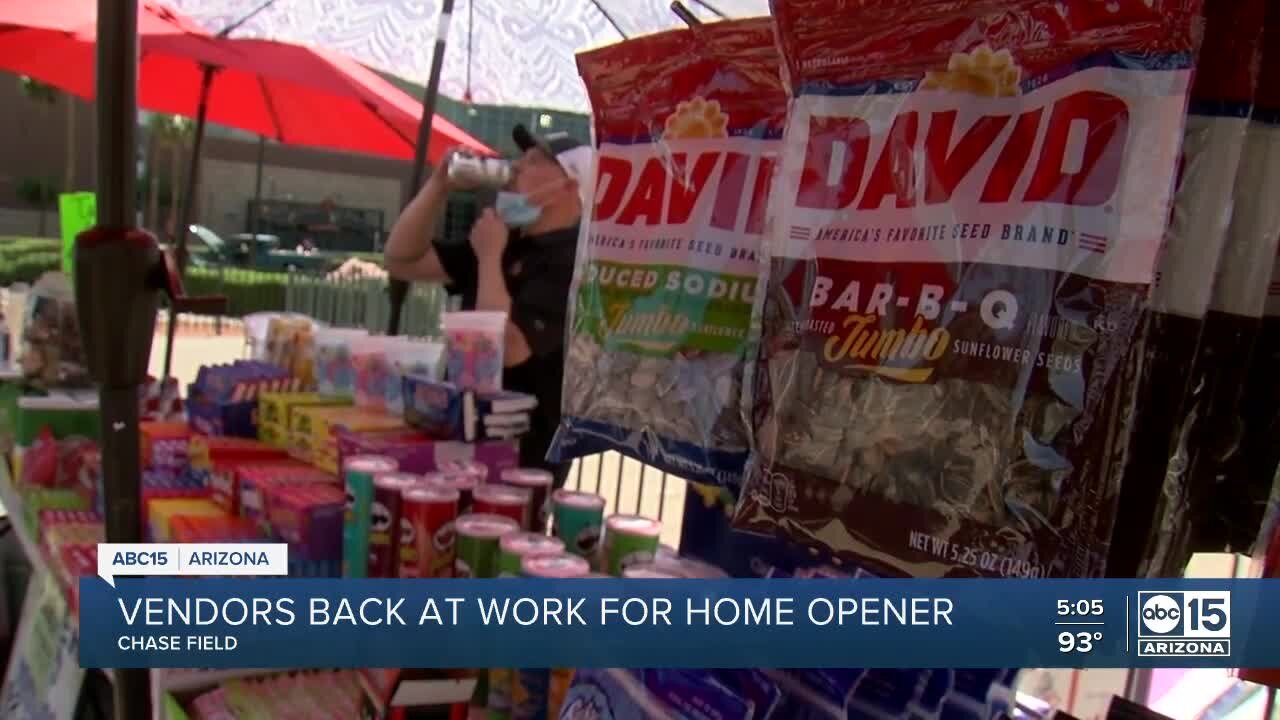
x=1227, y=494
x=963, y=235
x=1221, y=96
x=688, y=124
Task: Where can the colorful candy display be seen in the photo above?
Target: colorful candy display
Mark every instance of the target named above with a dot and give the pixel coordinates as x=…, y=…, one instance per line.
x=475, y=346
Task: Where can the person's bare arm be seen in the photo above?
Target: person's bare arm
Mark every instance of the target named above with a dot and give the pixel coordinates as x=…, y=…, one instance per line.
x=488, y=240
x=409, y=254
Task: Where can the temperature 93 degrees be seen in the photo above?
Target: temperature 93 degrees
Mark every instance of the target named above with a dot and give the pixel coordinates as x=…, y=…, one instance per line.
x=1080, y=625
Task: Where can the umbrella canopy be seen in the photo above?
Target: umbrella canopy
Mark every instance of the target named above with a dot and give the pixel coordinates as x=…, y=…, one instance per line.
x=296, y=95
x=508, y=52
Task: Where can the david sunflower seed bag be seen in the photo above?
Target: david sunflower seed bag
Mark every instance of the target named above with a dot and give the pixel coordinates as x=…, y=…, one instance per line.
x=687, y=124
x=970, y=201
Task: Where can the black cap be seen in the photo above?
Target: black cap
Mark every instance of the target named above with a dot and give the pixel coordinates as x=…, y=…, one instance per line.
x=552, y=144
x=572, y=154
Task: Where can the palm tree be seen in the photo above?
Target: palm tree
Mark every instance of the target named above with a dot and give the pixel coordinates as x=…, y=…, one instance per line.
x=37, y=190
x=174, y=133
x=46, y=96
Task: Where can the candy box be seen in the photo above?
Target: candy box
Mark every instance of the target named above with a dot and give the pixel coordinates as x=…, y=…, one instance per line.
x=255, y=483
x=161, y=511
x=418, y=453
x=312, y=431
x=165, y=444
x=207, y=450
x=74, y=562
x=224, y=480
x=275, y=413
x=434, y=407
x=309, y=518
x=37, y=499
x=214, y=529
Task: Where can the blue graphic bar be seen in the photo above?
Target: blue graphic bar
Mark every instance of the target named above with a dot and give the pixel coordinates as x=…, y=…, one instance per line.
x=229, y=622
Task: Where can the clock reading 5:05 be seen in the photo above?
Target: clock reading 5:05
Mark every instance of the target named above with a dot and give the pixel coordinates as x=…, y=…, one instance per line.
x=1079, y=607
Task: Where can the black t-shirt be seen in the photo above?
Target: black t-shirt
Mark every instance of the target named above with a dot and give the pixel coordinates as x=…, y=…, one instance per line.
x=538, y=270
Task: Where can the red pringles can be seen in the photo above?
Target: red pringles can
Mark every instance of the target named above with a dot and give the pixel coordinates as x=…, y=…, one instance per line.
x=384, y=524
x=505, y=500
x=426, y=542
x=465, y=483
x=538, y=483
x=475, y=468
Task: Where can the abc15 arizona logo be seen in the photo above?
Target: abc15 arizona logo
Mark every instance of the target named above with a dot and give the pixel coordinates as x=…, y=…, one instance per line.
x=1190, y=623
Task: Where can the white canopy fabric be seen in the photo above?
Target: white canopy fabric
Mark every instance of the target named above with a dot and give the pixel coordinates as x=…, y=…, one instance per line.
x=522, y=51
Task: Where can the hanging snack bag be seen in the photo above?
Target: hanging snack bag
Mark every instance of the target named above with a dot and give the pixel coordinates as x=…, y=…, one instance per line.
x=1221, y=98
x=1227, y=496
x=687, y=123
x=963, y=234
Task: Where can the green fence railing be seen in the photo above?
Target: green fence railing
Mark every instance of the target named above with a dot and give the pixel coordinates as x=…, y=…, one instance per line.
x=365, y=303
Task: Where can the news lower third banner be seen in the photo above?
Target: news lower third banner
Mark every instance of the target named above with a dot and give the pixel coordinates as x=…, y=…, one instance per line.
x=268, y=622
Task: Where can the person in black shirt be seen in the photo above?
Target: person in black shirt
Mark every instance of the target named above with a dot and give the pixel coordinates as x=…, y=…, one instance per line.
x=519, y=261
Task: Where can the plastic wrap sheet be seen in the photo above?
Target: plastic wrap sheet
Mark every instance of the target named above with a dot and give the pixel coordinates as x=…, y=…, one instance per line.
x=687, y=124
x=970, y=202
x=1153, y=501
x=1227, y=484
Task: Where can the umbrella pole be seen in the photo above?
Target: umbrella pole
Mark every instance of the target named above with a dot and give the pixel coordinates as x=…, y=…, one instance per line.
x=116, y=365
x=399, y=288
x=188, y=201
x=257, y=187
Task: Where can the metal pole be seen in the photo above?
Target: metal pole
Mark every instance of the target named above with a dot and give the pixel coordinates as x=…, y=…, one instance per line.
x=254, y=212
x=117, y=111
x=399, y=288
x=188, y=201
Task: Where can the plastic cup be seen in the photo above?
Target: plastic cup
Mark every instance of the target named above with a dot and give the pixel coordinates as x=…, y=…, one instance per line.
x=475, y=345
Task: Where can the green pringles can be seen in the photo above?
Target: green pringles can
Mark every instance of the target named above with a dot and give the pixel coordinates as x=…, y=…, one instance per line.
x=514, y=548
x=629, y=540
x=358, y=474
x=578, y=518
x=478, y=537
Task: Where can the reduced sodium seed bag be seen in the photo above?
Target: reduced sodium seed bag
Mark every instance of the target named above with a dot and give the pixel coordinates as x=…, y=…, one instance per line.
x=687, y=124
x=1221, y=97
x=970, y=201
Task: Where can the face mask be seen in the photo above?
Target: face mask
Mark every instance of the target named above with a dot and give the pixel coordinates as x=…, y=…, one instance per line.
x=516, y=210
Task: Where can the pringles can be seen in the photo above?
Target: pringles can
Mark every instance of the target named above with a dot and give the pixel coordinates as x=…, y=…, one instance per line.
x=489, y=172
x=357, y=475
x=579, y=518
x=514, y=548
x=532, y=690
x=464, y=483
x=504, y=500
x=476, y=539
x=427, y=546
x=539, y=483
x=474, y=468
x=384, y=526
x=629, y=540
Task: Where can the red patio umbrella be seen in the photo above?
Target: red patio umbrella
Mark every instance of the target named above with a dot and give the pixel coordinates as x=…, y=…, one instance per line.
x=294, y=94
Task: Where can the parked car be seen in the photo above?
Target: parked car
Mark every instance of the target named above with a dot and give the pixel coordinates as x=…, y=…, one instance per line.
x=258, y=252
